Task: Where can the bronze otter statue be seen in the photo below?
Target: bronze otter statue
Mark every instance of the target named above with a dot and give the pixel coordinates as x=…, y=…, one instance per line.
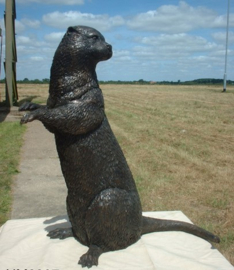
x=103, y=204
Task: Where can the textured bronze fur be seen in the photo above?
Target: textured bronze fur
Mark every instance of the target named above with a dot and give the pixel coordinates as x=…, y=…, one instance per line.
x=103, y=204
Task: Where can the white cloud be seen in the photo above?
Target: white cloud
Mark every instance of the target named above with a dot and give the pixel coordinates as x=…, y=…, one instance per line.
x=54, y=37
x=63, y=20
x=183, y=43
x=221, y=37
x=19, y=27
x=176, y=56
x=32, y=42
x=177, y=19
x=23, y=40
x=63, y=2
x=53, y=2
x=122, y=55
x=36, y=58
x=31, y=23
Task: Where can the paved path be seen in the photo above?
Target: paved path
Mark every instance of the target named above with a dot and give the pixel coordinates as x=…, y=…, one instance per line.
x=39, y=189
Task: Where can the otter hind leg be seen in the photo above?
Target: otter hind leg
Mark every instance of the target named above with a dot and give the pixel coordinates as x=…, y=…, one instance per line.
x=61, y=233
x=113, y=221
x=90, y=258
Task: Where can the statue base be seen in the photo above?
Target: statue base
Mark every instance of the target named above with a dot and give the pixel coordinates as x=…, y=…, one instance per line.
x=24, y=245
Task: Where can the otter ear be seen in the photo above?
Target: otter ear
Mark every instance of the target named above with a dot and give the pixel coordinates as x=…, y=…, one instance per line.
x=71, y=29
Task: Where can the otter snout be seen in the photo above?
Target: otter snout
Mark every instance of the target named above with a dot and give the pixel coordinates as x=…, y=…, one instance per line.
x=109, y=49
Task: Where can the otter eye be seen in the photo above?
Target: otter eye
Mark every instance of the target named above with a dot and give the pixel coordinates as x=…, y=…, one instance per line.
x=94, y=37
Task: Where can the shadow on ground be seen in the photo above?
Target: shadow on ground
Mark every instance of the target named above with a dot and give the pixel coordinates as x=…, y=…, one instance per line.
x=6, y=111
x=27, y=99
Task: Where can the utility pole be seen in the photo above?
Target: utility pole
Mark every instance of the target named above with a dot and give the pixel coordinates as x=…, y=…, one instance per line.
x=10, y=51
x=225, y=69
x=0, y=52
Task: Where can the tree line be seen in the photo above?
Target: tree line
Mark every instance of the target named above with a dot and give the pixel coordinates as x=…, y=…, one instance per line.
x=141, y=81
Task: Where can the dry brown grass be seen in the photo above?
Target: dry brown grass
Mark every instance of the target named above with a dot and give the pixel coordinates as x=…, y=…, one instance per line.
x=179, y=143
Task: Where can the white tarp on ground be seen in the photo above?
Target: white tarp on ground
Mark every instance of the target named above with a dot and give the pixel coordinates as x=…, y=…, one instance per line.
x=24, y=245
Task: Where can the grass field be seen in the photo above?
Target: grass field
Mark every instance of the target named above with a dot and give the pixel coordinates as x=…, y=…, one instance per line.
x=179, y=143
x=11, y=134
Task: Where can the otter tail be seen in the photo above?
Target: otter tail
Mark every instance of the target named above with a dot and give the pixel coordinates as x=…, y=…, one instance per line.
x=159, y=225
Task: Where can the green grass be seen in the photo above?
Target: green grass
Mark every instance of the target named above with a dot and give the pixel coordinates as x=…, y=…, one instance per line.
x=11, y=137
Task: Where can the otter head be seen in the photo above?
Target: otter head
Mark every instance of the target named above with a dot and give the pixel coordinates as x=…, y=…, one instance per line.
x=74, y=63
x=83, y=45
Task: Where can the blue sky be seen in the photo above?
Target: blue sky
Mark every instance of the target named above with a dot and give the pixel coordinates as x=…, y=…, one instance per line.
x=152, y=40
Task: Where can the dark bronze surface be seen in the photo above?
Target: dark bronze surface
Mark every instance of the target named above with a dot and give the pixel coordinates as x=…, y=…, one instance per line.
x=103, y=204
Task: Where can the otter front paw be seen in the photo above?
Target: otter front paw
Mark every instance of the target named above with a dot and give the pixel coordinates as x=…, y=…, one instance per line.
x=28, y=117
x=61, y=233
x=28, y=106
